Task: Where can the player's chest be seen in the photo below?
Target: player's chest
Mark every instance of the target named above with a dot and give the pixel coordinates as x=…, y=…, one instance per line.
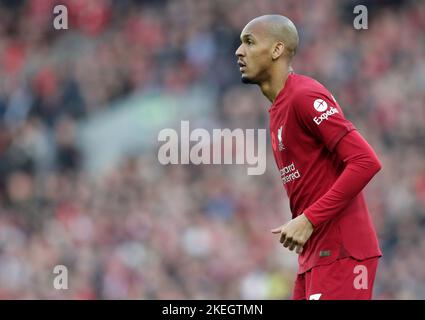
x=283, y=132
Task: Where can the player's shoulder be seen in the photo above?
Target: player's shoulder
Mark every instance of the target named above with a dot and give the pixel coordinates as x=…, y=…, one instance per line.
x=307, y=92
x=305, y=86
x=310, y=97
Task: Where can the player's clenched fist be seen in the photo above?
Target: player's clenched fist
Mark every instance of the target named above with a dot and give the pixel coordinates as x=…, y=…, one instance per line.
x=295, y=233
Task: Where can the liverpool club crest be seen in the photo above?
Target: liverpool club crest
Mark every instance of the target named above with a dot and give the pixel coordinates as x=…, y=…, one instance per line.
x=279, y=138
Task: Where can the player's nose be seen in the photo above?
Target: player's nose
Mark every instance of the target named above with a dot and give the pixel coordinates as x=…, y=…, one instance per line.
x=239, y=51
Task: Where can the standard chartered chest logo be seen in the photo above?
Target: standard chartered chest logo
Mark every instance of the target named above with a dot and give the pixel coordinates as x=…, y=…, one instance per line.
x=289, y=173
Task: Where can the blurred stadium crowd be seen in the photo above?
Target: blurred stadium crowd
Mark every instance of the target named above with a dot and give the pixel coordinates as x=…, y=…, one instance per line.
x=146, y=231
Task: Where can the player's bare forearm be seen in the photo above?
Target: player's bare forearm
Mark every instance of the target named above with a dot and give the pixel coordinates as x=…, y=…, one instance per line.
x=295, y=233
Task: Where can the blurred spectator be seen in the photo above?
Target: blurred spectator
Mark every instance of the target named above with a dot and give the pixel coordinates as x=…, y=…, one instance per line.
x=146, y=231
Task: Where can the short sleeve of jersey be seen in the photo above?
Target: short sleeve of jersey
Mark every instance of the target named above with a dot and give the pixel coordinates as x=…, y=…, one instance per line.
x=320, y=114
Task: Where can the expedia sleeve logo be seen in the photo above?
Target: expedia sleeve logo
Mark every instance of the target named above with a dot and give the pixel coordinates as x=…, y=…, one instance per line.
x=321, y=106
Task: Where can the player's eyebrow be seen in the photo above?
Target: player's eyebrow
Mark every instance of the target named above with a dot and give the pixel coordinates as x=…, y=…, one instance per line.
x=247, y=35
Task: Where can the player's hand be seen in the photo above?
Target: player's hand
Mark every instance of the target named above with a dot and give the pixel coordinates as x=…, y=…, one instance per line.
x=295, y=233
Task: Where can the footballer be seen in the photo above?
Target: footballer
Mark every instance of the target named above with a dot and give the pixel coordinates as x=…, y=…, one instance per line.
x=324, y=164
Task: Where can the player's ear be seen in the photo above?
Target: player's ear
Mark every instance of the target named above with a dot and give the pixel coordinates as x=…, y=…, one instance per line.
x=278, y=50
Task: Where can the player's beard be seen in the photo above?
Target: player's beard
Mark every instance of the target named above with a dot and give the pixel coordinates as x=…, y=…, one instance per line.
x=247, y=80
x=255, y=78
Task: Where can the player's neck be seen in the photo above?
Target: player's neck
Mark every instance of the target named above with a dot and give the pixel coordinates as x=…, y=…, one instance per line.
x=276, y=82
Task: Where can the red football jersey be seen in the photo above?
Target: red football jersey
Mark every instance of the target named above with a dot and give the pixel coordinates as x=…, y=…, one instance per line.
x=306, y=123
